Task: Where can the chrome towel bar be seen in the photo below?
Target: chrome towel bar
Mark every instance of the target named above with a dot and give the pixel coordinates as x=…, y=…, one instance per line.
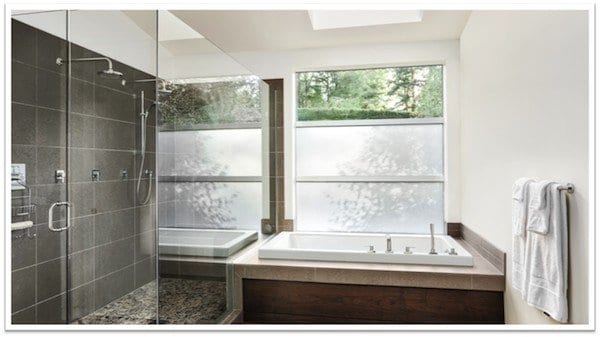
x=570, y=188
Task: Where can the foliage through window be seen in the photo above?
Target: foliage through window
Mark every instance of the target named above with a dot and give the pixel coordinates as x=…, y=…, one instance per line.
x=404, y=92
x=369, y=150
x=220, y=101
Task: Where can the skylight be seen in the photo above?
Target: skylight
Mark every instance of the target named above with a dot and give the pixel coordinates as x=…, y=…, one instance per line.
x=333, y=19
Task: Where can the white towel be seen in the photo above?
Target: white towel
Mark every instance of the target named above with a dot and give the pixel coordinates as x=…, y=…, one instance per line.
x=520, y=198
x=538, y=212
x=547, y=261
x=519, y=202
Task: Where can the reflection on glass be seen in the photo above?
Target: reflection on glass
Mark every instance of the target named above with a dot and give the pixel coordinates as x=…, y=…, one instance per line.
x=370, y=150
x=369, y=207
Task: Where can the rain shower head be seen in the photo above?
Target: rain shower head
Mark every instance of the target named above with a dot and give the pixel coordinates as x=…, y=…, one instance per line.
x=109, y=73
x=161, y=85
x=164, y=91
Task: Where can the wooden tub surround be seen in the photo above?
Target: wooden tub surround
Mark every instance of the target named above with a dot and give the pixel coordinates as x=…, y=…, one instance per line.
x=286, y=291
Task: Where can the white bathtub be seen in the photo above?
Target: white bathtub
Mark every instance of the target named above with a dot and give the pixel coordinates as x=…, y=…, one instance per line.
x=203, y=242
x=354, y=247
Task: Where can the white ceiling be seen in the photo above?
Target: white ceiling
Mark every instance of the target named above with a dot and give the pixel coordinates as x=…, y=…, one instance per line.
x=235, y=31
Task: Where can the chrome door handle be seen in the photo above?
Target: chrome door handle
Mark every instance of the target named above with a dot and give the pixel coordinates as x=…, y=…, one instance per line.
x=50, y=220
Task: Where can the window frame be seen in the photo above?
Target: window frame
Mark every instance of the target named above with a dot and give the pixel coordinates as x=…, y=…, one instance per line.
x=424, y=179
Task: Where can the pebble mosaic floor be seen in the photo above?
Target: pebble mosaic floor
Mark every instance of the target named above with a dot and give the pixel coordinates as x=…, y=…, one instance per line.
x=181, y=301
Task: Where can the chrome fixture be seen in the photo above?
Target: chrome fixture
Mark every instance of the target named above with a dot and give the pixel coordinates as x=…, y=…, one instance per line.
x=407, y=250
x=95, y=175
x=267, y=228
x=18, y=176
x=388, y=239
x=22, y=207
x=50, y=215
x=570, y=188
x=371, y=249
x=109, y=73
x=161, y=84
x=452, y=251
x=432, y=251
x=124, y=174
x=60, y=176
x=147, y=172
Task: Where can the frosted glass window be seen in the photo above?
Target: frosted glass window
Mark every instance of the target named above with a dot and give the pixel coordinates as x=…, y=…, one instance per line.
x=381, y=150
x=213, y=205
x=369, y=207
x=230, y=152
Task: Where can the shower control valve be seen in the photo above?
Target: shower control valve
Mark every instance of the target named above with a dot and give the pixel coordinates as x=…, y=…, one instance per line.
x=95, y=175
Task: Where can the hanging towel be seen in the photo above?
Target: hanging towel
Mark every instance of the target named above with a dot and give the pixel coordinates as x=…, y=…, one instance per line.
x=538, y=212
x=519, y=202
x=520, y=198
x=547, y=264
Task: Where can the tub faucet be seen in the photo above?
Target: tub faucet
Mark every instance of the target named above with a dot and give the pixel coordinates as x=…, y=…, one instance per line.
x=388, y=238
x=432, y=251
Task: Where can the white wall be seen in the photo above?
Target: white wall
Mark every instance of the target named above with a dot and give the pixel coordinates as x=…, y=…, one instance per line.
x=283, y=64
x=524, y=108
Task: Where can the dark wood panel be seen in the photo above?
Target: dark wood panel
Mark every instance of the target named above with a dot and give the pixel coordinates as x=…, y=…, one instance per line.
x=267, y=301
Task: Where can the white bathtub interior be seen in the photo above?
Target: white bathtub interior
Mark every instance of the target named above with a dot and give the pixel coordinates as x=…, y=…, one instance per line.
x=356, y=247
x=203, y=242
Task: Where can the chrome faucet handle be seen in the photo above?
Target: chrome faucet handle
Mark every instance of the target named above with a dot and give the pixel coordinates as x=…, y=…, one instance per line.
x=432, y=250
x=407, y=250
x=371, y=248
x=388, y=239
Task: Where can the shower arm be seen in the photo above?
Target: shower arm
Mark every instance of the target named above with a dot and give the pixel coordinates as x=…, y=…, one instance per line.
x=60, y=61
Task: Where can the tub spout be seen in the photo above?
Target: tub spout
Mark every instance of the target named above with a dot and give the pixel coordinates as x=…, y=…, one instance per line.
x=432, y=250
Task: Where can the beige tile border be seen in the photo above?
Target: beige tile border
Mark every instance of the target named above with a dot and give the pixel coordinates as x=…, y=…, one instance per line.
x=490, y=252
x=368, y=277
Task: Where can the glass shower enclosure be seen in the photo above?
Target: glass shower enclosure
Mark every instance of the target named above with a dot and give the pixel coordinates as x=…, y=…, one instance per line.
x=140, y=169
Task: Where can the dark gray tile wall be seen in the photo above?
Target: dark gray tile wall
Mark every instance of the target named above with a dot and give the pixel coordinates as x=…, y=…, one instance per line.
x=111, y=245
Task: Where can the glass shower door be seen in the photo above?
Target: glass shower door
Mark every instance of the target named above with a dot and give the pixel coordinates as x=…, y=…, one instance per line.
x=38, y=111
x=111, y=67
x=83, y=195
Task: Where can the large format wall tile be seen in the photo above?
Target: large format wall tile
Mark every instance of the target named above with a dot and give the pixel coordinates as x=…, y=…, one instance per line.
x=114, y=256
x=23, y=285
x=49, y=49
x=23, y=117
x=109, y=134
x=113, y=286
x=81, y=267
x=51, y=127
x=113, y=226
x=51, y=89
x=24, y=48
x=82, y=97
x=51, y=279
x=98, y=132
x=23, y=83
